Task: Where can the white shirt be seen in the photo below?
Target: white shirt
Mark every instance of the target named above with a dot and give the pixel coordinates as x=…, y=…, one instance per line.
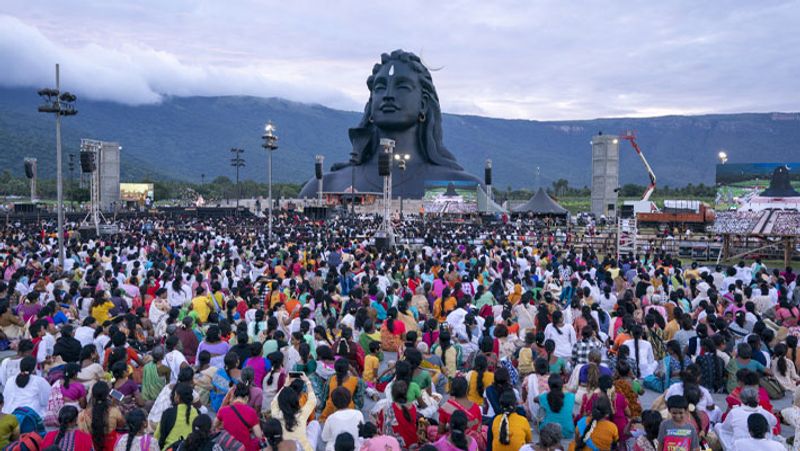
x=174, y=359
x=34, y=394
x=179, y=298
x=564, y=340
x=608, y=304
x=9, y=369
x=85, y=335
x=346, y=420
x=763, y=444
x=735, y=424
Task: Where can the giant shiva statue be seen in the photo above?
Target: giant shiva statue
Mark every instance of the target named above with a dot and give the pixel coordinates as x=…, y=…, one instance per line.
x=402, y=106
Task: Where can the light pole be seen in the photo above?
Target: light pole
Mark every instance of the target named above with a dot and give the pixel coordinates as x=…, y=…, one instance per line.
x=270, y=144
x=61, y=104
x=401, y=160
x=238, y=162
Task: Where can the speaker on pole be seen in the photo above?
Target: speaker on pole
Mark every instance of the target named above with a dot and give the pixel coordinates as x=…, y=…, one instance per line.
x=487, y=173
x=384, y=164
x=318, y=170
x=29, y=171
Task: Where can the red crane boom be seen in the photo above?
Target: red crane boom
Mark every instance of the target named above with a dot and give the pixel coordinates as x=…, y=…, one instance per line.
x=631, y=137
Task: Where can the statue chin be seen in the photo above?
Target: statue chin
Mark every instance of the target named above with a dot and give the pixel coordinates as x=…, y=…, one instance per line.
x=408, y=185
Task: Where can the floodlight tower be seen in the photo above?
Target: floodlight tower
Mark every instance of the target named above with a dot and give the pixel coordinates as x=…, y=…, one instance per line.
x=60, y=104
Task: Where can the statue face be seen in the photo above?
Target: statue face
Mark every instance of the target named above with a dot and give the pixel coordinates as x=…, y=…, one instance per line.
x=396, y=97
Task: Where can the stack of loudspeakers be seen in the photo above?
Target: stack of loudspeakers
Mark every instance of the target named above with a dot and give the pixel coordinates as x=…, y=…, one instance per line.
x=316, y=213
x=384, y=164
x=88, y=163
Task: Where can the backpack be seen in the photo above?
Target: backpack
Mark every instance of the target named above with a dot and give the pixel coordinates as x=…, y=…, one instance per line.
x=54, y=405
x=26, y=442
x=29, y=421
x=774, y=388
x=227, y=442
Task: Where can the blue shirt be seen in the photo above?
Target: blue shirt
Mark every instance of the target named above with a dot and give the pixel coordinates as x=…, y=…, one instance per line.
x=563, y=418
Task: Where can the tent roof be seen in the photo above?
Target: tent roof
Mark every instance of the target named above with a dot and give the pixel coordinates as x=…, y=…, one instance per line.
x=541, y=204
x=487, y=205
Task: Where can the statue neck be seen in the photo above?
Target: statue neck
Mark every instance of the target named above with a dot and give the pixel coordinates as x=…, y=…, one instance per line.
x=405, y=141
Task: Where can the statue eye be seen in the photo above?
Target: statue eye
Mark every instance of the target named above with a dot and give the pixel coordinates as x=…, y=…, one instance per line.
x=379, y=87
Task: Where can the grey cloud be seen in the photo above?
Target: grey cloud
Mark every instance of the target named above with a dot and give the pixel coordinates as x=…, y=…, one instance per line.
x=519, y=59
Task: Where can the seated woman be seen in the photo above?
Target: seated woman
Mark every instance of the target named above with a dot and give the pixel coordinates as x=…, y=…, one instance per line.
x=502, y=383
x=399, y=419
x=479, y=378
x=343, y=377
x=240, y=419
x=744, y=379
x=11, y=325
x=557, y=406
x=176, y=422
x=784, y=369
x=459, y=401
x=224, y=379
x=286, y=408
x=691, y=378
x=697, y=416
x=596, y=432
x=68, y=436
x=669, y=370
x=619, y=413
x=509, y=430
x=743, y=360
x=102, y=419
x=641, y=352
x=534, y=385
x=456, y=438
x=137, y=438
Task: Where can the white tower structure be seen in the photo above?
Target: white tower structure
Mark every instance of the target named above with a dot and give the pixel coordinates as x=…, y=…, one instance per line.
x=605, y=174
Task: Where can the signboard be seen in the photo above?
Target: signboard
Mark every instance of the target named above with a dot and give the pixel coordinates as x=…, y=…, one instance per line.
x=136, y=192
x=452, y=197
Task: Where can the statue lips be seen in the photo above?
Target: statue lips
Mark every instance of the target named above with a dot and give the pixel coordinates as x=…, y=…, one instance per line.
x=389, y=108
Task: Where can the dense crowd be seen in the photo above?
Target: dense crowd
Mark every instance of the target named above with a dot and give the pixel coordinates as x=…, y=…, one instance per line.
x=206, y=335
x=739, y=222
x=786, y=223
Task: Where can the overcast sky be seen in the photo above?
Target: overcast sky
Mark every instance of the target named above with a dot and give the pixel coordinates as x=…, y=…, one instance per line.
x=512, y=59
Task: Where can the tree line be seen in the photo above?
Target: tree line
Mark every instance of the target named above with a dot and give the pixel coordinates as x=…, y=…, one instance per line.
x=223, y=187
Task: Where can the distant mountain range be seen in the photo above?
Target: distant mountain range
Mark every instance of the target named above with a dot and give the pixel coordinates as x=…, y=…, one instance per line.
x=184, y=137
